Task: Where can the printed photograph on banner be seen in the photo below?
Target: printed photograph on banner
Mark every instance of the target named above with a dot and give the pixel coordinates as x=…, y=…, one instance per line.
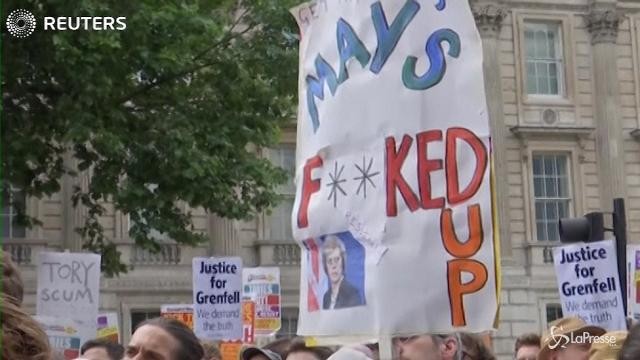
x=336, y=277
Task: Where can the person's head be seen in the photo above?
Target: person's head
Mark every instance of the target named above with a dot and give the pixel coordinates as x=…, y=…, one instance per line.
x=12, y=285
x=256, y=353
x=556, y=344
x=631, y=348
x=334, y=257
x=211, y=351
x=22, y=336
x=428, y=347
x=527, y=347
x=280, y=346
x=443, y=347
x=164, y=339
x=101, y=349
x=473, y=348
x=300, y=351
x=609, y=348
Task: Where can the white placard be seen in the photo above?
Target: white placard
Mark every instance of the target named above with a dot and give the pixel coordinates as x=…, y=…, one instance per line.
x=69, y=286
x=633, y=282
x=393, y=201
x=588, y=283
x=217, y=302
x=66, y=336
x=262, y=286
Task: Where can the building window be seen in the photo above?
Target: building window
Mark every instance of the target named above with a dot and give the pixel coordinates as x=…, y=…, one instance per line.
x=552, y=195
x=278, y=222
x=140, y=316
x=12, y=200
x=554, y=312
x=544, y=58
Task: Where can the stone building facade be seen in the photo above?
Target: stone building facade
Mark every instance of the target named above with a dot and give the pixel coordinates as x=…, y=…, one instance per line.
x=563, y=86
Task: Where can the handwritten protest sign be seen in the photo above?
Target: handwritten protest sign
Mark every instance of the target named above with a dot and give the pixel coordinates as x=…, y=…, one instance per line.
x=392, y=170
x=588, y=283
x=108, y=327
x=180, y=312
x=69, y=286
x=633, y=282
x=66, y=336
x=262, y=286
x=217, y=285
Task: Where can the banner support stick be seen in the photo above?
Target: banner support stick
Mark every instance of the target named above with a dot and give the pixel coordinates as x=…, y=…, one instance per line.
x=386, y=348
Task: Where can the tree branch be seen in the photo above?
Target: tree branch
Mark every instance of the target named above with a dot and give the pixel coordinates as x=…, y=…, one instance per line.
x=180, y=74
x=226, y=38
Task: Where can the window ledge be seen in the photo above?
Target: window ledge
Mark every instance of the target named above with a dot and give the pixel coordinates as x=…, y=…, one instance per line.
x=537, y=131
x=636, y=134
x=542, y=101
x=543, y=250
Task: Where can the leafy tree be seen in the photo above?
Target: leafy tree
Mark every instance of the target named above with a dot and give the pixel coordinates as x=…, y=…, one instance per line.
x=169, y=110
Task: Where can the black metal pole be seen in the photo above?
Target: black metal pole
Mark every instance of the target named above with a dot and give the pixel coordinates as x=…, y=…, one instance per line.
x=620, y=232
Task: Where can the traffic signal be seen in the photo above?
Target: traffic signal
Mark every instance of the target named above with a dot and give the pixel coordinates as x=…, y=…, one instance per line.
x=588, y=228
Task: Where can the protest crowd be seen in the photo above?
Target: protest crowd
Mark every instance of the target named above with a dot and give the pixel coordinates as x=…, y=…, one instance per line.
x=169, y=339
x=410, y=270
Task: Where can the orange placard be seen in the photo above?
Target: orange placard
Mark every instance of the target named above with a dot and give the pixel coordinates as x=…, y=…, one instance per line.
x=248, y=321
x=180, y=312
x=185, y=318
x=230, y=350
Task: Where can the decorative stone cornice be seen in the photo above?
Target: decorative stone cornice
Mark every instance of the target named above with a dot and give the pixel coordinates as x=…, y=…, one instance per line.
x=489, y=19
x=603, y=26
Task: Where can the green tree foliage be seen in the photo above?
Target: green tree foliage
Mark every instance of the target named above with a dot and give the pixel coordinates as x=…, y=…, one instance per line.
x=168, y=111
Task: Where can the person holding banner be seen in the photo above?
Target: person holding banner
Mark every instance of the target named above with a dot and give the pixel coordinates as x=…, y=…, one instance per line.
x=340, y=294
x=164, y=339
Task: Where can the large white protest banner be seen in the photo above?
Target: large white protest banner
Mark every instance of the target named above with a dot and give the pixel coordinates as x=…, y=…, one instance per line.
x=588, y=283
x=69, y=286
x=393, y=201
x=262, y=286
x=633, y=282
x=217, y=302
